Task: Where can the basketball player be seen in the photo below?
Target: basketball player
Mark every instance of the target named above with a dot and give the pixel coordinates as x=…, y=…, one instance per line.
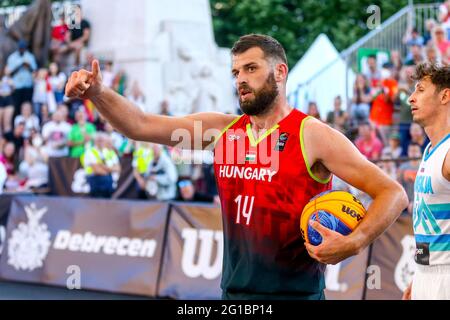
x=430, y=104
x=268, y=164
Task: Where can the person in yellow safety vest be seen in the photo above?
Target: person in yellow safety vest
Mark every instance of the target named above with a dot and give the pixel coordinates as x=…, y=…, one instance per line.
x=100, y=163
x=143, y=157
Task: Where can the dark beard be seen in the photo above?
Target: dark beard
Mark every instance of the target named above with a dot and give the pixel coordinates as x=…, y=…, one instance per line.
x=264, y=98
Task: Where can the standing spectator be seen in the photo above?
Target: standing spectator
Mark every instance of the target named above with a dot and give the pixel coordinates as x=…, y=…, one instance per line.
x=367, y=142
x=57, y=81
x=313, y=110
x=162, y=181
x=6, y=102
x=164, y=109
x=79, y=35
x=40, y=96
x=45, y=115
x=405, y=89
x=444, y=15
x=373, y=75
x=418, y=136
x=382, y=110
x=100, y=163
x=429, y=26
x=21, y=64
x=31, y=120
x=406, y=173
x=338, y=118
x=394, y=149
x=60, y=38
x=82, y=133
x=55, y=134
x=142, y=162
x=361, y=100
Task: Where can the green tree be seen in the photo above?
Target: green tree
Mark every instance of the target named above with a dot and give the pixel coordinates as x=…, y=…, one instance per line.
x=296, y=23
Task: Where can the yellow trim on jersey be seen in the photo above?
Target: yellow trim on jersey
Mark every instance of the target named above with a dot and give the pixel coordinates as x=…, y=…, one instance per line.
x=226, y=128
x=254, y=142
x=305, y=156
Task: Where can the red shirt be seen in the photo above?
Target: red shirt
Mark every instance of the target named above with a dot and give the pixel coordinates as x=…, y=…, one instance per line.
x=263, y=189
x=59, y=32
x=370, y=149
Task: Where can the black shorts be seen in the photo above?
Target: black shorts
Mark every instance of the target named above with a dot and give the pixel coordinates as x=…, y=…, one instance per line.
x=6, y=102
x=282, y=296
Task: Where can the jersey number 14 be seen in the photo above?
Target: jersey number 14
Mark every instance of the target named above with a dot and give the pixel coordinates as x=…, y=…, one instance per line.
x=244, y=208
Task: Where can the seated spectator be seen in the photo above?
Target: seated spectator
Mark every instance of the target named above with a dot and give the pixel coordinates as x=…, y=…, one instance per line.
x=55, y=134
x=406, y=173
x=118, y=141
x=440, y=40
x=162, y=180
x=45, y=115
x=21, y=65
x=415, y=55
x=418, y=136
x=313, y=110
x=432, y=55
x=3, y=177
x=8, y=158
x=6, y=102
x=338, y=118
x=361, y=100
x=137, y=97
x=373, y=74
x=33, y=169
x=164, y=109
x=394, y=149
x=100, y=162
x=108, y=74
x=57, y=81
x=80, y=135
x=16, y=136
x=387, y=165
x=31, y=120
x=413, y=37
x=189, y=194
x=397, y=63
x=367, y=142
x=429, y=26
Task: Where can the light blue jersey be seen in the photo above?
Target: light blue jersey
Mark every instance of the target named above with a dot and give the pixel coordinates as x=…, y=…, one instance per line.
x=431, y=216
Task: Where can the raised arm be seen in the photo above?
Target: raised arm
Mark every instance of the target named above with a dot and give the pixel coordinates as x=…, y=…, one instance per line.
x=194, y=131
x=341, y=157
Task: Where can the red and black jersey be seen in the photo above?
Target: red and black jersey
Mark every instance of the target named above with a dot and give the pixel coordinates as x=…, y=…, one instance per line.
x=263, y=186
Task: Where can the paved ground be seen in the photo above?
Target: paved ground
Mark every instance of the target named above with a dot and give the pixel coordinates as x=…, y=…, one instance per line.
x=21, y=291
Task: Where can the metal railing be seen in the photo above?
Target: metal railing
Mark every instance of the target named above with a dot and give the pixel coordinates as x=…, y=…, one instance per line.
x=388, y=36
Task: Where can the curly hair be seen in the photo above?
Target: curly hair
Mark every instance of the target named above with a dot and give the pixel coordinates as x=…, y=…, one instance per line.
x=438, y=74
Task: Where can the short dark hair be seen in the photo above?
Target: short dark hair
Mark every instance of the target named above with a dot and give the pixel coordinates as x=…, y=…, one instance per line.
x=439, y=75
x=271, y=47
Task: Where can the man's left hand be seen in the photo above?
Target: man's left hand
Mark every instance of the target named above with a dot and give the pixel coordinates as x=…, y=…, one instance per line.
x=334, y=247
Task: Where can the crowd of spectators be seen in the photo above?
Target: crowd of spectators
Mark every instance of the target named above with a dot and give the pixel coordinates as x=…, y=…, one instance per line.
x=37, y=122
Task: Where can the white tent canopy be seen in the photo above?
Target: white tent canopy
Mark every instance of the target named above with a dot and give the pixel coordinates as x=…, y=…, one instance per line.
x=319, y=76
